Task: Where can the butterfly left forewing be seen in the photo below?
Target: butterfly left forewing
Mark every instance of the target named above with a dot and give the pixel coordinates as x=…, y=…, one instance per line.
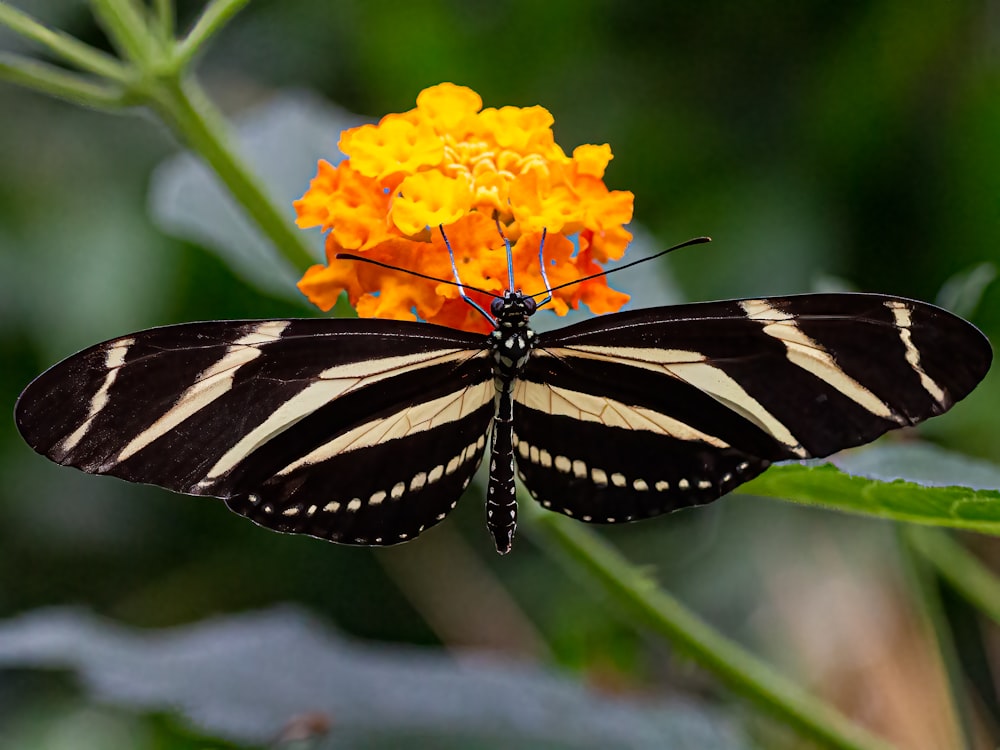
x=657, y=409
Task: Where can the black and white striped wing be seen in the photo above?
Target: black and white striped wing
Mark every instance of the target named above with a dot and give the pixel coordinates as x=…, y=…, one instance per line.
x=358, y=431
x=632, y=415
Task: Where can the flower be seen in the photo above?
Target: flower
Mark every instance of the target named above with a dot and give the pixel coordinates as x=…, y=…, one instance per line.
x=450, y=164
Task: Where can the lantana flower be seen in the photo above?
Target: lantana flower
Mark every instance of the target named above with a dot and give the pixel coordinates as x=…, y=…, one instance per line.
x=449, y=166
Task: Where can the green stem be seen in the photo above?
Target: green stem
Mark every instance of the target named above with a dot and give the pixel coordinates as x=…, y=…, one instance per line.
x=186, y=109
x=165, y=20
x=126, y=29
x=960, y=569
x=583, y=552
x=213, y=18
x=927, y=600
x=49, y=79
x=63, y=45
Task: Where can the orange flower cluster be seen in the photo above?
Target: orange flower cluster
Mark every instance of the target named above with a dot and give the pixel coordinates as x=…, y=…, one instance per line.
x=453, y=164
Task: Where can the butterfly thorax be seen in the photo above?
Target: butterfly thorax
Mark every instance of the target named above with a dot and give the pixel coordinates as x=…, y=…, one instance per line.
x=512, y=340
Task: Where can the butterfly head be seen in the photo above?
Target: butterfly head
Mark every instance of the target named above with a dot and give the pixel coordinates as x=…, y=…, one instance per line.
x=513, y=310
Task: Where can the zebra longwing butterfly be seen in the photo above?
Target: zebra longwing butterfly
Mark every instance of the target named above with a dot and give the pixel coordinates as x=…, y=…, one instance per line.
x=367, y=431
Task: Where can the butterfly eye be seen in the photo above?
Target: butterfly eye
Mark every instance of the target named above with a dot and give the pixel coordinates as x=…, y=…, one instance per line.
x=530, y=305
x=496, y=307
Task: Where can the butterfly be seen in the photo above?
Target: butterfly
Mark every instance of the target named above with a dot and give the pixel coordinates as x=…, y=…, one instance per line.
x=367, y=432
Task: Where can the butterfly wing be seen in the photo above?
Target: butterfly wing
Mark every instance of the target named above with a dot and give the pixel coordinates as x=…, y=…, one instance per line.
x=360, y=431
x=635, y=414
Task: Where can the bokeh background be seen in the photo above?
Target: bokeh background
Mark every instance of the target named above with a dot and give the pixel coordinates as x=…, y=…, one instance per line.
x=822, y=145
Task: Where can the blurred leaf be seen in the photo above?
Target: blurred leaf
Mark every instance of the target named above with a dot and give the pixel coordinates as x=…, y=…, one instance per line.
x=246, y=678
x=917, y=483
x=282, y=141
x=963, y=292
x=922, y=463
x=960, y=568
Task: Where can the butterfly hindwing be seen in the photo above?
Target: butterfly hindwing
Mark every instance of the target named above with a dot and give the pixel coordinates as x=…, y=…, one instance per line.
x=289, y=421
x=644, y=412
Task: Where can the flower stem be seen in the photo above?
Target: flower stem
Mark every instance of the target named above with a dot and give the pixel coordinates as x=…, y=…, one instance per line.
x=71, y=50
x=583, y=552
x=57, y=82
x=186, y=109
x=126, y=29
x=165, y=20
x=213, y=18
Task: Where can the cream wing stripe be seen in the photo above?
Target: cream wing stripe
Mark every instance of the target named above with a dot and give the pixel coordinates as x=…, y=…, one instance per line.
x=904, y=319
x=588, y=407
x=806, y=353
x=692, y=368
x=418, y=418
x=330, y=384
x=210, y=384
x=114, y=358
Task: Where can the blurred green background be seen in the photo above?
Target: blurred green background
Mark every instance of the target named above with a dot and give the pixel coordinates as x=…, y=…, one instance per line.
x=822, y=145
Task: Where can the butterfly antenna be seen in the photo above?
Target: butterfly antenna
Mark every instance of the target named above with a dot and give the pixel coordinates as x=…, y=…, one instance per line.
x=541, y=267
x=548, y=291
x=459, y=284
x=510, y=254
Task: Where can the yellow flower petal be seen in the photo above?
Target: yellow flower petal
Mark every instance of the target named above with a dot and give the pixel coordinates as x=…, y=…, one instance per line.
x=394, y=145
x=536, y=205
x=447, y=106
x=592, y=160
x=520, y=129
x=428, y=199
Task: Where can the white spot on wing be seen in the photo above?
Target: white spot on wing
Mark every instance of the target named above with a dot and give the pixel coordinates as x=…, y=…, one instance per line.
x=418, y=481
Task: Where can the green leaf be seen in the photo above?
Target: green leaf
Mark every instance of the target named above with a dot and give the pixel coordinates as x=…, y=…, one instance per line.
x=915, y=483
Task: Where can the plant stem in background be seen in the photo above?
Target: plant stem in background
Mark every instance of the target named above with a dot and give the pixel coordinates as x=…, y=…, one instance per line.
x=154, y=74
x=585, y=555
